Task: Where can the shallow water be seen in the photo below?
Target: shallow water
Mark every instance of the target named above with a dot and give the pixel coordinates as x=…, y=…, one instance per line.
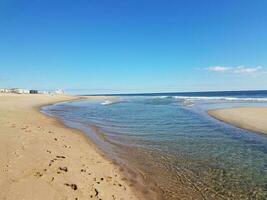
x=173, y=142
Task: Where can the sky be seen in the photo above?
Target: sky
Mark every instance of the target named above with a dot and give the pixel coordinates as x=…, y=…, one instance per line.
x=132, y=46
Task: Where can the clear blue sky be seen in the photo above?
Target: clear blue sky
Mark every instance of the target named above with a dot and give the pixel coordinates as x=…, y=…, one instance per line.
x=109, y=46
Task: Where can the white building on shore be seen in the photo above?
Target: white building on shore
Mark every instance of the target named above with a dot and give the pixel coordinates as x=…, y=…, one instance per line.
x=33, y=91
x=14, y=90
x=43, y=92
x=59, y=91
x=5, y=90
x=20, y=91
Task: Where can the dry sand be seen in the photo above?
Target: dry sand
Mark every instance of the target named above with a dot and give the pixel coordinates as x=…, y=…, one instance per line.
x=42, y=159
x=250, y=118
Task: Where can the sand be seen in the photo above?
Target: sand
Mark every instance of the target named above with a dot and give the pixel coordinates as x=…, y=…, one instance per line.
x=42, y=159
x=250, y=118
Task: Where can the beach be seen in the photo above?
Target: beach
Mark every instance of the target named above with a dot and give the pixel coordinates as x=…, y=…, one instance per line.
x=250, y=118
x=118, y=152
x=42, y=159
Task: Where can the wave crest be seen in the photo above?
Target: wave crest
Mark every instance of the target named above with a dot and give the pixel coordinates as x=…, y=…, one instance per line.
x=110, y=102
x=250, y=99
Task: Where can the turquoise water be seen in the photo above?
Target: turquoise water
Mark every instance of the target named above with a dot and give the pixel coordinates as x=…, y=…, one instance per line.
x=174, y=143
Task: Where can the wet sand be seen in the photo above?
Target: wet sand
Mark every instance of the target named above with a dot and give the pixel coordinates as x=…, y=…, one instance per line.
x=250, y=118
x=42, y=159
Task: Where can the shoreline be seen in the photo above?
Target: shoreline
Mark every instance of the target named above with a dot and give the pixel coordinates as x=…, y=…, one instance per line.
x=142, y=187
x=249, y=118
x=51, y=158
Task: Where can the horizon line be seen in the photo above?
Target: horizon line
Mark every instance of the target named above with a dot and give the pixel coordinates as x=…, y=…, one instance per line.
x=155, y=93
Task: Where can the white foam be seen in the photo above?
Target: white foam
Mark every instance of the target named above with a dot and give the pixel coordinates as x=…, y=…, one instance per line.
x=107, y=102
x=188, y=102
x=110, y=102
x=161, y=97
x=251, y=99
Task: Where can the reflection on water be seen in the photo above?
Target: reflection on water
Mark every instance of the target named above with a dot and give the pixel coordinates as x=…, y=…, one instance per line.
x=187, y=153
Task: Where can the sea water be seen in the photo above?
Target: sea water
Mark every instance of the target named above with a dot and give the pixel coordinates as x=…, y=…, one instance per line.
x=171, y=140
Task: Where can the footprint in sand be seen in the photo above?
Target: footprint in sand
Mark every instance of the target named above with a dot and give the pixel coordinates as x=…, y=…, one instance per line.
x=73, y=186
x=61, y=157
x=52, y=161
x=95, y=191
x=65, y=146
x=55, y=159
x=65, y=169
x=38, y=174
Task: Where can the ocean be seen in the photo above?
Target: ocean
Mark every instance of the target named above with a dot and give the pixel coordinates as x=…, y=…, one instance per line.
x=170, y=141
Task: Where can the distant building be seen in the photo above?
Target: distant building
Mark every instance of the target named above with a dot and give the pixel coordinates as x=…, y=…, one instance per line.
x=2, y=90
x=43, y=92
x=5, y=90
x=19, y=91
x=59, y=91
x=33, y=91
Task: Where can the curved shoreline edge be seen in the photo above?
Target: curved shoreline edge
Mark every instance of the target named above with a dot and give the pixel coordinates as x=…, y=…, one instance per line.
x=142, y=187
x=249, y=118
x=40, y=154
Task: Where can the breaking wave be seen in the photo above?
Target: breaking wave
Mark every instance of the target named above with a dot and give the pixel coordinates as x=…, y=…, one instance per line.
x=110, y=102
x=222, y=98
x=251, y=99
